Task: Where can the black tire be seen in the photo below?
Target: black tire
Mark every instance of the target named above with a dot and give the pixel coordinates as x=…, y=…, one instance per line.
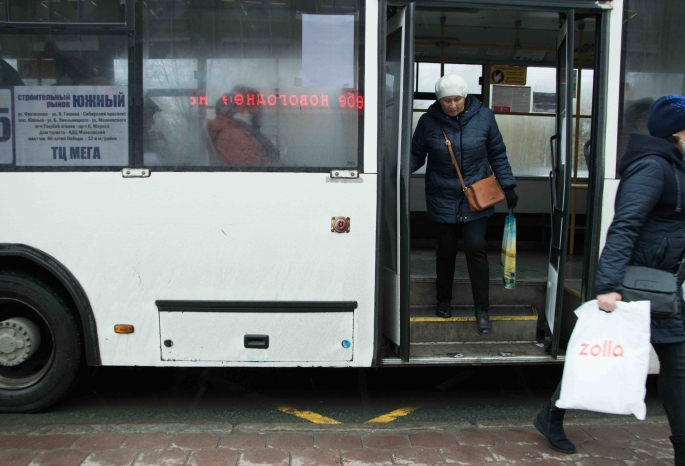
x=48, y=375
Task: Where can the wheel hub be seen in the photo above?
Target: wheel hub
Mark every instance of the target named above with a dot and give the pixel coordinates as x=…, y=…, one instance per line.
x=19, y=340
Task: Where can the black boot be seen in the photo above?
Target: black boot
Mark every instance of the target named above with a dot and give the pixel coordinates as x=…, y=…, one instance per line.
x=483, y=322
x=679, y=449
x=550, y=423
x=443, y=309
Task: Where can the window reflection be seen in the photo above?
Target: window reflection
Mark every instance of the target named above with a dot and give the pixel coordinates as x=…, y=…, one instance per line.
x=651, y=65
x=239, y=91
x=64, y=60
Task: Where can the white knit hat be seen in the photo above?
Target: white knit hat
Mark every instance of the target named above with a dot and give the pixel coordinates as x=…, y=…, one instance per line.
x=451, y=85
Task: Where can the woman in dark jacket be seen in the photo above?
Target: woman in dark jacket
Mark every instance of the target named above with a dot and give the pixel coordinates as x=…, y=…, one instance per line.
x=648, y=230
x=479, y=150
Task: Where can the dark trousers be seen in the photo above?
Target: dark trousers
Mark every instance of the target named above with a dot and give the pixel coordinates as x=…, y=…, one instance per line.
x=473, y=236
x=671, y=385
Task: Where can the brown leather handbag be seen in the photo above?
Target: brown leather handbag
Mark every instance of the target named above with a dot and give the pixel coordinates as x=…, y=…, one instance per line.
x=481, y=194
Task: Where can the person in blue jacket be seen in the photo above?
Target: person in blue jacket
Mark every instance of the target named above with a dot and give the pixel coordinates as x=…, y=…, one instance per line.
x=648, y=230
x=479, y=150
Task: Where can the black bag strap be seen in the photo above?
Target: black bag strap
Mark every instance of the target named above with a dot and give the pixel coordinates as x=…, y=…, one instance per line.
x=677, y=183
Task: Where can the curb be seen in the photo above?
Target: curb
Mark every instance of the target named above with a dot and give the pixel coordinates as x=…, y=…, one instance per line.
x=354, y=428
x=85, y=429
x=255, y=428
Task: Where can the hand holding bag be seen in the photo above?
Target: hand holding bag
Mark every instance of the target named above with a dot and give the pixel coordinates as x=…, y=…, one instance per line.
x=481, y=194
x=607, y=360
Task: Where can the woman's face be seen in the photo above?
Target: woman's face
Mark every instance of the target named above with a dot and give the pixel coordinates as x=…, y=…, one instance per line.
x=452, y=105
x=681, y=136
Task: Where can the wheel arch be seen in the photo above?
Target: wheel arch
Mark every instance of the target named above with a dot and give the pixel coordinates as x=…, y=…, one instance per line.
x=32, y=260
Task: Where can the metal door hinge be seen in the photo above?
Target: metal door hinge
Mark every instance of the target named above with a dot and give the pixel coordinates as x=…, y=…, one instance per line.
x=135, y=173
x=350, y=174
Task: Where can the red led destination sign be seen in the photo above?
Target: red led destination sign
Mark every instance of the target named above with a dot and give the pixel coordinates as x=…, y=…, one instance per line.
x=351, y=100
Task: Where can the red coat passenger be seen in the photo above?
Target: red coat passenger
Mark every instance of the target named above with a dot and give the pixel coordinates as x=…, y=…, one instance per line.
x=236, y=134
x=234, y=143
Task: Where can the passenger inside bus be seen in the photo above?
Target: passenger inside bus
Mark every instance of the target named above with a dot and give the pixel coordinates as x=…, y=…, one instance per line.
x=235, y=132
x=155, y=144
x=479, y=152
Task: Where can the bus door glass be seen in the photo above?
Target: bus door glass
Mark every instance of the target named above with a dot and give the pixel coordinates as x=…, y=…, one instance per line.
x=560, y=179
x=399, y=77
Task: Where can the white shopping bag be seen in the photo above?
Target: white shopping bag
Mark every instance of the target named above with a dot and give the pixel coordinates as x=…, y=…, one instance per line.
x=607, y=360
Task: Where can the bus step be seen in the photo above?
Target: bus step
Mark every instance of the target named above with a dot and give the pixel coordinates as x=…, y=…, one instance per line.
x=526, y=293
x=422, y=354
x=509, y=323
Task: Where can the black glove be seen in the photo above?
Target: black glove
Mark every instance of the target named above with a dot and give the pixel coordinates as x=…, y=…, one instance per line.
x=512, y=198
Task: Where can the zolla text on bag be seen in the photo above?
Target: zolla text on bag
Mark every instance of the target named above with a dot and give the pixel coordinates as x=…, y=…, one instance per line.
x=607, y=348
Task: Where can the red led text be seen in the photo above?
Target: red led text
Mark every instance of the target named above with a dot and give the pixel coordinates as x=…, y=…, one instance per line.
x=351, y=100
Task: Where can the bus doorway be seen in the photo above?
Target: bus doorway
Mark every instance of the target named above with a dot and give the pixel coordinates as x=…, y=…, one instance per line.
x=537, y=71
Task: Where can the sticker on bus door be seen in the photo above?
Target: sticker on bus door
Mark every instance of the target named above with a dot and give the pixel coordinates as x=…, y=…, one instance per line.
x=6, y=130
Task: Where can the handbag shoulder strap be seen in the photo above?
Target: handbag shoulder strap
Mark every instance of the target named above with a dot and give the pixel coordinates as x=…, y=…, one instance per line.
x=454, y=160
x=681, y=268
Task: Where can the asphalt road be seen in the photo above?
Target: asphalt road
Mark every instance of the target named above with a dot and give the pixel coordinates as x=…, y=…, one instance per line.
x=237, y=396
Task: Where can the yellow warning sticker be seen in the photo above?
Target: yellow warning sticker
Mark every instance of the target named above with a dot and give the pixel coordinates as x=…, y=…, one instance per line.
x=512, y=75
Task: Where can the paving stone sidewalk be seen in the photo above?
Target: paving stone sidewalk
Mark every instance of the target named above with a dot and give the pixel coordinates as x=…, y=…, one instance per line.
x=600, y=442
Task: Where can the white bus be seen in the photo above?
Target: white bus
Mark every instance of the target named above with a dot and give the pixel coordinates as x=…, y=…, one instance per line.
x=226, y=182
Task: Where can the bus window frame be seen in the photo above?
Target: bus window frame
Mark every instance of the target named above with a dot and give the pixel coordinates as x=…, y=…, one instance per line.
x=138, y=157
x=133, y=29
x=128, y=23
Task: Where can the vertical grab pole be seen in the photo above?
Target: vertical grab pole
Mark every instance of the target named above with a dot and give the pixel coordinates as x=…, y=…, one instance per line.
x=574, y=190
x=443, y=34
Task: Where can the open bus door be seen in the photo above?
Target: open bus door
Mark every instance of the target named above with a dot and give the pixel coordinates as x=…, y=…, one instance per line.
x=399, y=77
x=560, y=180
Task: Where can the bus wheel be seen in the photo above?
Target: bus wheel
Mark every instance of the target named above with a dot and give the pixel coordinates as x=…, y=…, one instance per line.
x=40, y=344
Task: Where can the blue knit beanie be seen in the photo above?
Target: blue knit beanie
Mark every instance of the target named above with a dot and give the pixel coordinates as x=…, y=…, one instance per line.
x=667, y=116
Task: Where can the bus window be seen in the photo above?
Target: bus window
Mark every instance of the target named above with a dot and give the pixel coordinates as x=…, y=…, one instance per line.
x=253, y=86
x=429, y=73
x=102, y=11
x=527, y=133
x=68, y=95
x=651, y=65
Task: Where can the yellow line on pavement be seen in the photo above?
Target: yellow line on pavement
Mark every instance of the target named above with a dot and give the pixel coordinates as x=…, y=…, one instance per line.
x=307, y=415
x=392, y=415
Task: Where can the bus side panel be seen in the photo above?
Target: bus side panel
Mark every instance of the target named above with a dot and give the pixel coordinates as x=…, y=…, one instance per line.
x=271, y=336
x=198, y=236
